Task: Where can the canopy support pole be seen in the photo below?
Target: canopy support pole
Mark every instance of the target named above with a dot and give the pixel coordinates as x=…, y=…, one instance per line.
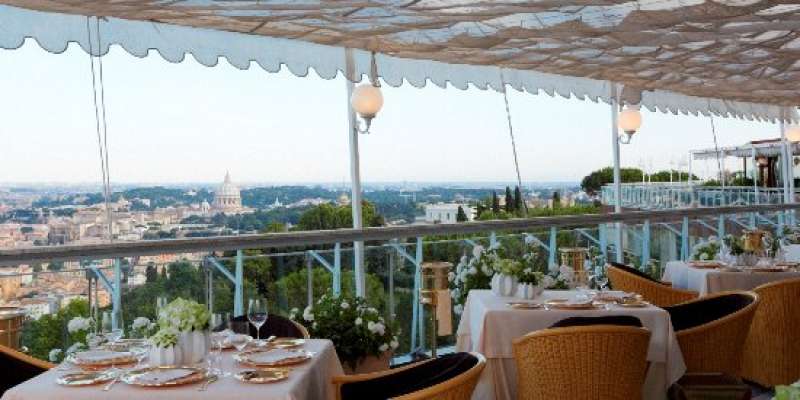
x=355, y=177
x=617, y=177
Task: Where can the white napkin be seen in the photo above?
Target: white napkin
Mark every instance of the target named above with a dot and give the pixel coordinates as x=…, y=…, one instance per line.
x=272, y=356
x=163, y=375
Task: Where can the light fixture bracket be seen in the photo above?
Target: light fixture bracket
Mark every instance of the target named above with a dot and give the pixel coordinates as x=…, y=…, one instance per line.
x=626, y=137
x=364, y=130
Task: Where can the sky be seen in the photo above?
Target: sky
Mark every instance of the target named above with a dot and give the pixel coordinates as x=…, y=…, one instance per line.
x=183, y=123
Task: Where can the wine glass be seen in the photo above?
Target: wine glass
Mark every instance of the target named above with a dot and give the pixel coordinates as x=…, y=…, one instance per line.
x=600, y=277
x=239, y=341
x=257, y=315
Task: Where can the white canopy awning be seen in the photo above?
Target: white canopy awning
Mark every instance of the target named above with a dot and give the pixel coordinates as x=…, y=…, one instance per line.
x=766, y=149
x=728, y=57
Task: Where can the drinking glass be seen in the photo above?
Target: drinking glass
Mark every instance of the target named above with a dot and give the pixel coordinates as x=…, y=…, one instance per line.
x=239, y=341
x=257, y=315
x=217, y=339
x=105, y=323
x=600, y=277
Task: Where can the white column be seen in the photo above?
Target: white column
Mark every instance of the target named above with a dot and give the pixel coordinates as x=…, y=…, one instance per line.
x=355, y=178
x=785, y=161
x=617, y=177
x=755, y=174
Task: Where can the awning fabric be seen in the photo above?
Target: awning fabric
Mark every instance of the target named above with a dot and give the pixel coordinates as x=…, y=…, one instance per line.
x=729, y=57
x=770, y=149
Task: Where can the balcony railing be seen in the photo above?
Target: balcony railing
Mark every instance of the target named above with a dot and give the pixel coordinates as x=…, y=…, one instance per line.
x=302, y=265
x=665, y=195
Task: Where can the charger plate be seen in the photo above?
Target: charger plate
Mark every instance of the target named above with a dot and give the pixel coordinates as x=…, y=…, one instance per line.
x=193, y=375
x=262, y=375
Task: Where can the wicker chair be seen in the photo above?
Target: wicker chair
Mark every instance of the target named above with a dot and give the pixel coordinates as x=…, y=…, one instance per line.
x=582, y=362
x=449, y=377
x=772, y=350
x=276, y=325
x=623, y=277
x=18, y=367
x=711, y=331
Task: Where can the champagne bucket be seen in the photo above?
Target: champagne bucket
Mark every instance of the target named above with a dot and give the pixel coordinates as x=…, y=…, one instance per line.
x=753, y=241
x=434, y=278
x=575, y=257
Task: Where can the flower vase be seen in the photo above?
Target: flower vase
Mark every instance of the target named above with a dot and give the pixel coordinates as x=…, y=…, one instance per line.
x=529, y=291
x=194, y=346
x=504, y=285
x=165, y=356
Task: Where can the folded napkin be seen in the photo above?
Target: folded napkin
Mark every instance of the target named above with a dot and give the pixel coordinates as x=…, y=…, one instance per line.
x=272, y=356
x=157, y=376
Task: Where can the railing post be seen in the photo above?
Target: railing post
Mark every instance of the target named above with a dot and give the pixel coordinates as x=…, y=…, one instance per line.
x=601, y=233
x=337, y=269
x=645, y=243
x=417, y=318
x=551, y=259
x=392, y=264
x=209, y=287
x=492, y=239
x=117, y=297
x=685, y=239
x=238, y=292
x=721, y=226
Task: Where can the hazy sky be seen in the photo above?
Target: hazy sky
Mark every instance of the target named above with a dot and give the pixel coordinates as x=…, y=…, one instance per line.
x=186, y=123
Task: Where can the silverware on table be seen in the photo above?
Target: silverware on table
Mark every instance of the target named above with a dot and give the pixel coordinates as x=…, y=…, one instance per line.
x=111, y=383
x=209, y=380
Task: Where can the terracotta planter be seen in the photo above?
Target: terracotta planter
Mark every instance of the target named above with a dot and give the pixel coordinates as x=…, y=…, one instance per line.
x=369, y=364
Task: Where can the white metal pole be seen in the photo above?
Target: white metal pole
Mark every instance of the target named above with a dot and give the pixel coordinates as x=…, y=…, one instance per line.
x=755, y=174
x=617, y=174
x=355, y=178
x=785, y=159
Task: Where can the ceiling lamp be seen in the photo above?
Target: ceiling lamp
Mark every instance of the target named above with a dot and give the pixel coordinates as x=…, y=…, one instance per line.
x=367, y=101
x=630, y=120
x=793, y=133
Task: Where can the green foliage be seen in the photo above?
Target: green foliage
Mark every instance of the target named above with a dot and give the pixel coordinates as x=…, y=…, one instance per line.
x=55, y=266
x=593, y=182
x=518, y=199
x=556, y=200
x=328, y=216
x=50, y=331
x=461, y=216
x=294, y=287
x=509, y=207
x=495, y=203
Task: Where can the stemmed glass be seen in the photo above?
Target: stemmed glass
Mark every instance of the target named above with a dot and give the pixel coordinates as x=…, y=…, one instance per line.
x=257, y=315
x=600, y=277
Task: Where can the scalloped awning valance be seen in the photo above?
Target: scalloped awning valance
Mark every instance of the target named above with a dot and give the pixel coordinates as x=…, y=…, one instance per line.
x=728, y=57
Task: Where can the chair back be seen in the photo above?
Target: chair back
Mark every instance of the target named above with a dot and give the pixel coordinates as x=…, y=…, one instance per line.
x=582, y=362
x=18, y=367
x=772, y=349
x=276, y=325
x=623, y=277
x=619, y=320
x=712, y=330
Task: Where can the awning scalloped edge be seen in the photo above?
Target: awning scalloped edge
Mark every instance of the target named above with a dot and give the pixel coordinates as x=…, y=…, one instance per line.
x=54, y=32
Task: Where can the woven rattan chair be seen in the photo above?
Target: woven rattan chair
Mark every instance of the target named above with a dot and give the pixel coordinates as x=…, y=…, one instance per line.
x=449, y=377
x=623, y=277
x=711, y=331
x=772, y=350
x=582, y=362
x=276, y=325
x=18, y=367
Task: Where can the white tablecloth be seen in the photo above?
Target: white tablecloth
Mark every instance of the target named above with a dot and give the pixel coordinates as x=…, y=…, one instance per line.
x=705, y=281
x=489, y=326
x=311, y=381
x=792, y=252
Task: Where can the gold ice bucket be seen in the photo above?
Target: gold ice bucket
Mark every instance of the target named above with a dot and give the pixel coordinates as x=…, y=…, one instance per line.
x=434, y=278
x=753, y=241
x=575, y=257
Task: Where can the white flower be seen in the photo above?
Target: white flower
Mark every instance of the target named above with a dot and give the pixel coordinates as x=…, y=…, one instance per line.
x=78, y=346
x=345, y=305
x=528, y=270
x=308, y=315
x=703, y=256
x=463, y=260
x=472, y=271
x=373, y=310
x=359, y=321
x=528, y=239
x=477, y=250
x=548, y=281
x=314, y=325
x=451, y=276
x=140, y=323
x=376, y=327
x=78, y=324
x=494, y=246
x=384, y=347
x=54, y=355
x=458, y=309
x=456, y=293
x=393, y=344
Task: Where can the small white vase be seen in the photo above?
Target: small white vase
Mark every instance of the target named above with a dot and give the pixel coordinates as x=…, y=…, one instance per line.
x=165, y=356
x=529, y=291
x=194, y=346
x=504, y=285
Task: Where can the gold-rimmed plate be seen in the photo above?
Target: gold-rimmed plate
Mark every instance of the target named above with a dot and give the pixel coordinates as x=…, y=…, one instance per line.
x=633, y=304
x=286, y=343
x=705, y=264
x=262, y=375
x=272, y=357
x=101, y=358
x=525, y=305
x=85, y=378
x=164, y=376
x=575, y=306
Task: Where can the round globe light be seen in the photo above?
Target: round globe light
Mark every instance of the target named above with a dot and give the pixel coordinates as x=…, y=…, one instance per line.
x=793, y=133
x=630, y=120
x=367, y=100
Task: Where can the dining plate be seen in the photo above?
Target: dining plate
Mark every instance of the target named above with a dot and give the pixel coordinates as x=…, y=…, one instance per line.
x=525, y=305
x=272, y=357
x=85, y=378
x=262, y=375
x=575, y=306
x=286, y=343
x=164, y=376
x=705, y=264
x=633, y=304
x=101, y=358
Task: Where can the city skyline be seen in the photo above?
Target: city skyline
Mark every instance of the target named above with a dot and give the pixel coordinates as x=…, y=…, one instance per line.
x=280, y=129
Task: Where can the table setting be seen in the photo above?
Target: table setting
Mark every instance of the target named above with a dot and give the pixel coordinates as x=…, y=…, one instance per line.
x=217, y=361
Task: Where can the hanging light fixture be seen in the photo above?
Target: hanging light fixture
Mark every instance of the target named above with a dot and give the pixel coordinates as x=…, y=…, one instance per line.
x=630, y=120
x=793, y=133
x=367, y=99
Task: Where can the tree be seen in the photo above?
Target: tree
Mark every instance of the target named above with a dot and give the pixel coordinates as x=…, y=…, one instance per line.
x=592, y=183
x=55, y=266
x=509, y=201
x=479, y=209
x=495, y=203
x=461, y=216
x=37, y=268
x=328, y=216
x=556, y=200
x=151, y=273
x=518, y=199
x=50, y=331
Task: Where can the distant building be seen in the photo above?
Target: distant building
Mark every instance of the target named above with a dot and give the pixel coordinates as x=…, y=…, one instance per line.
x=446, y=213
x=228, y=198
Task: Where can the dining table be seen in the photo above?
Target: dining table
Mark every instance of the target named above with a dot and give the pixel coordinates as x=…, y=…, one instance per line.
x=707, y=279
x=310, y=380
x=489, y=326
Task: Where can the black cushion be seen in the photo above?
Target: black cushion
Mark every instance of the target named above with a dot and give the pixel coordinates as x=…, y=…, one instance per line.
x=635, y=271
x=622, y=320
x=276, y=325
x=410, y=380
x=696, y=313
x=16, y=371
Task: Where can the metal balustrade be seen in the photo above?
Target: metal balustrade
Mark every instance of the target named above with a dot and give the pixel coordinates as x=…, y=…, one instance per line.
x=666, y=195
x=648, y=236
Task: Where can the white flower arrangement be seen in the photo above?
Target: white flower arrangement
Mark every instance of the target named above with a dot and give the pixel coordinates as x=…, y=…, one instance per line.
x=184, y=315
x=706, y=250
x=79, y=324
x=55, y=355
x=142, y=327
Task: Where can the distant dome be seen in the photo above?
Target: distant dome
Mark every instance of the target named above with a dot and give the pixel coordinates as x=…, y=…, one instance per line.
x=227, y=198
x=228, y=188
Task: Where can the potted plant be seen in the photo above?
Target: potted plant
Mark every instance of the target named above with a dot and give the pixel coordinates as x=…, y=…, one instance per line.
x=531, y=283
x=474, y=272
x=190, y=319
x=364, y=341
x=504, y=281
x=706, y=250
x=164, y=350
